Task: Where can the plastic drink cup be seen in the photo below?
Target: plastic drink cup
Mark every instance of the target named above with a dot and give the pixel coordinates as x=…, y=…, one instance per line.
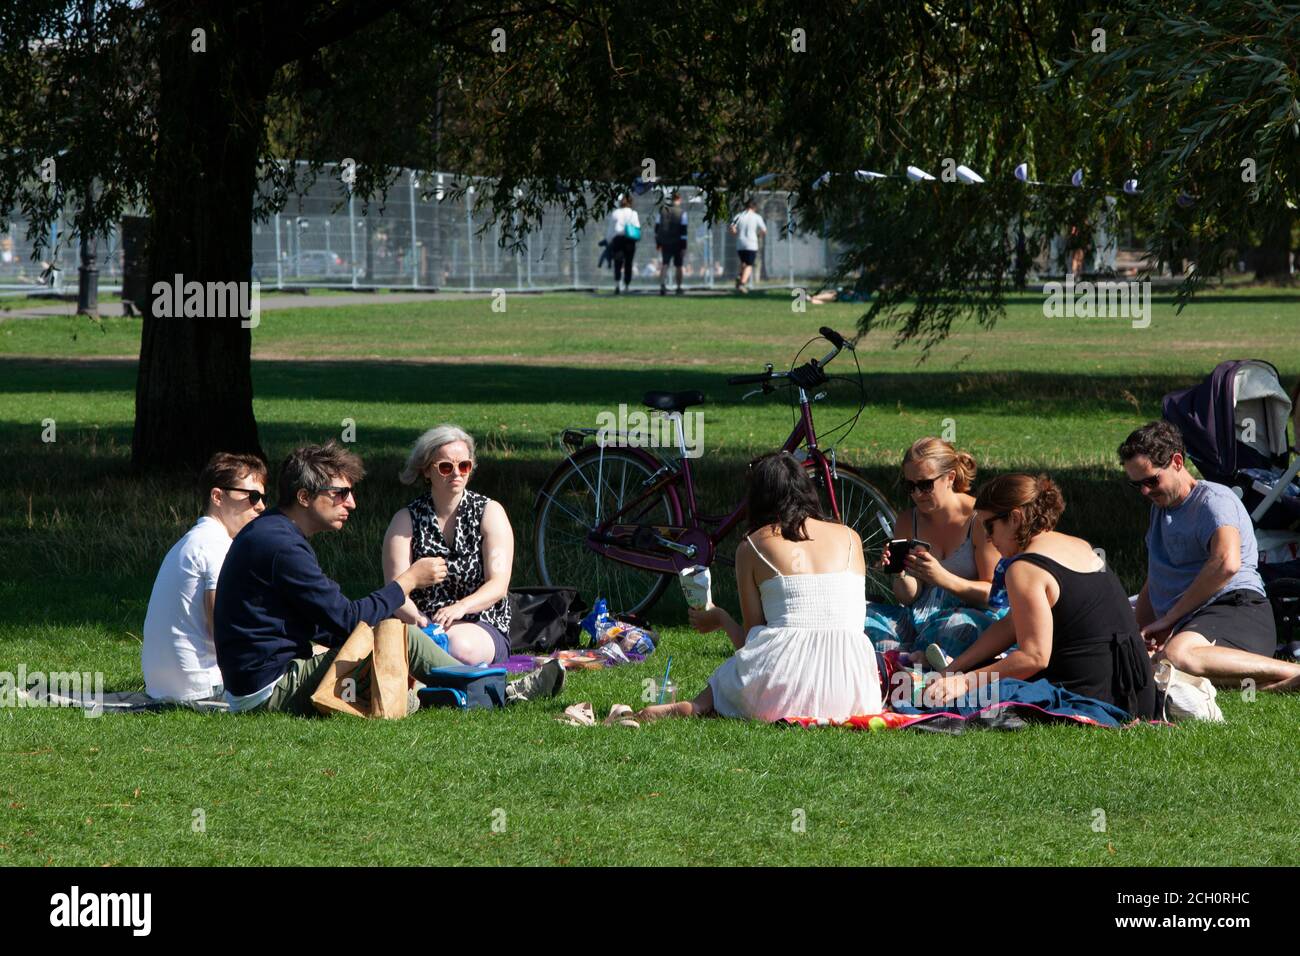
x=697, y=586
x=670, y=692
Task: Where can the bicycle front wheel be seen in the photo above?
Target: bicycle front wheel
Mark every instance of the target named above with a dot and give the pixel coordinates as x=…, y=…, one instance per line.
x=862, y=505
x=578, y=497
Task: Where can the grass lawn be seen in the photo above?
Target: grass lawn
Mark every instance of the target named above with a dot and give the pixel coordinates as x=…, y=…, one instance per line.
x=80, y=541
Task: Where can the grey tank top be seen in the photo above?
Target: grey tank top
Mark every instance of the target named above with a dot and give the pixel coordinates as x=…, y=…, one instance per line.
x=962, y=561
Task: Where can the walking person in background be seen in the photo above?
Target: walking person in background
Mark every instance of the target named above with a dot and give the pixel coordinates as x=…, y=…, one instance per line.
x=670, y=240
x=747, y=227
x=622, y=230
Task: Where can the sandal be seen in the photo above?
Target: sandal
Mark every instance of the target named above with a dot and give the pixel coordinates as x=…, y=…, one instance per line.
x=621, y=715
x=578, y=715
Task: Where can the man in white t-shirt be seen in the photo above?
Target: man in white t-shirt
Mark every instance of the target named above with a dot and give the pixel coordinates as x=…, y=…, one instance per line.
x=178, y=657
x=747, y=227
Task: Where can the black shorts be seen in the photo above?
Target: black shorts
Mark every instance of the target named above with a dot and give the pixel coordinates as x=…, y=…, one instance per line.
x=674, y=253
x=747, y=256
x=1242, y=619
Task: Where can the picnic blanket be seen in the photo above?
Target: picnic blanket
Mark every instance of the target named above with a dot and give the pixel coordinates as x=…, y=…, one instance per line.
x=118, y=702
x=1019, y=703
x=571, y=660
x=138, y=702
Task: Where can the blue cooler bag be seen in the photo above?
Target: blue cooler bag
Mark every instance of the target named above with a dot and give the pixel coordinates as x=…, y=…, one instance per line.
x=464, y=686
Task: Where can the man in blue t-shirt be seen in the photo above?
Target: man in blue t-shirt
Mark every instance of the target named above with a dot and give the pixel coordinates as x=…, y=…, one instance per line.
x=1203, y=606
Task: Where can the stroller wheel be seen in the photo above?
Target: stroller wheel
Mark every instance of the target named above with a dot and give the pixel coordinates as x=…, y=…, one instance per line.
x=1284, y=595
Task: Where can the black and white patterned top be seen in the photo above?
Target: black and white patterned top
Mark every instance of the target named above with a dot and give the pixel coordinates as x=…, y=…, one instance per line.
x=464, y=558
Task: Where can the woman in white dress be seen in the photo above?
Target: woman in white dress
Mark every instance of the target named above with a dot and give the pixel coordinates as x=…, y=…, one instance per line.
x=802, y=584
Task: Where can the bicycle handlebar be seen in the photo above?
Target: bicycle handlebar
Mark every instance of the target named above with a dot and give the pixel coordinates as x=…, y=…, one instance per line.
x=834, y=338
x=806, y=375
x=756, y=379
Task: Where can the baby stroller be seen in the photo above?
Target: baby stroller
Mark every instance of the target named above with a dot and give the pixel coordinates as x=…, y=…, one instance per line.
x=1234, y=426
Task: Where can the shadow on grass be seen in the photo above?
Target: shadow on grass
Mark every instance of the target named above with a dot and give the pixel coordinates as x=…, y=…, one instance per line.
x=486, y=384
x=73, y=516
x=73, y=508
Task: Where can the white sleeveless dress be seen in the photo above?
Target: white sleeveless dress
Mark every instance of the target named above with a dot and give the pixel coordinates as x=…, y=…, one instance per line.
x=811, y=658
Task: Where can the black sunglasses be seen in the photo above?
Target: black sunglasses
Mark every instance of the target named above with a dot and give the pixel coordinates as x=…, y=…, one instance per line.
x=925, y=485
x=338, y=494
x=988, y=523
x=1148, y=482
x=256, y=497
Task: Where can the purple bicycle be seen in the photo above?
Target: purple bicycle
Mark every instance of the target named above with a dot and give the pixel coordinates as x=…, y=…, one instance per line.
x=619, y=521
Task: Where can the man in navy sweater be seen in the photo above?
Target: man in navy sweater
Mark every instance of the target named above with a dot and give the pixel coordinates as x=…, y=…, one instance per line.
x=275, y=607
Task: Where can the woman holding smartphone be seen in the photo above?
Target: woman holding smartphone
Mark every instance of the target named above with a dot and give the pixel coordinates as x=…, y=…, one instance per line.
x=942, y=587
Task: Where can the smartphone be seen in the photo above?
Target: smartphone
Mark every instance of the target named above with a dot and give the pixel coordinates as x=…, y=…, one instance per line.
x=898, y=551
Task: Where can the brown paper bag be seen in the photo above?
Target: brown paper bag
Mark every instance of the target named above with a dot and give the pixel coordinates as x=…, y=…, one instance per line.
x=338, y=691
x=389, y=676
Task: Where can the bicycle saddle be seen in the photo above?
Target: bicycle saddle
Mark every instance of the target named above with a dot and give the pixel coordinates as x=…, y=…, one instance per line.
x=672, y=401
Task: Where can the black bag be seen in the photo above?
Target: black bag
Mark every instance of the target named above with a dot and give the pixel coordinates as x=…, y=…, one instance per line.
x=465, y=687
x=543, y=620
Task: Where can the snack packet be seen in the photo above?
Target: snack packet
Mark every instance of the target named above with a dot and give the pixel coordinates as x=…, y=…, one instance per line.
x=697, y=585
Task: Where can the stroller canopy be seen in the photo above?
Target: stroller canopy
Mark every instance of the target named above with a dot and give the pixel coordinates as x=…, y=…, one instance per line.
x=1236, y=418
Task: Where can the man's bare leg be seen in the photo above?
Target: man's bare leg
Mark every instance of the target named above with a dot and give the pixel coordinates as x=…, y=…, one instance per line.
x=1228, y=666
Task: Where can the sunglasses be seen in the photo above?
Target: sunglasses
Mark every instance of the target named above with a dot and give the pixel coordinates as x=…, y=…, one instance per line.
x=924, y=486
x=445, y=468
x=256, y=497
x=338, y=494
x=1149, y=482
x=988, y=523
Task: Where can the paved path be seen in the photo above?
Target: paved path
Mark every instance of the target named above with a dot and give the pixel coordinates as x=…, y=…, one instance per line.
x=319, y=300
x=287, y=300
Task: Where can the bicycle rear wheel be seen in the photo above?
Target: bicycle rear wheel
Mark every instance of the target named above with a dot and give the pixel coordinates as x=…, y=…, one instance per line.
x=861, y=507
x=569, y=507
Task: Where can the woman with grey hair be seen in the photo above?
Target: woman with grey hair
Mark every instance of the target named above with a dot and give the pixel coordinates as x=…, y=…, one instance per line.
x=471, y=532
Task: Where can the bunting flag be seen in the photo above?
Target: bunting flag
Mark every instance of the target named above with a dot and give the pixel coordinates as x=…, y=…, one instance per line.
x=968, y=177
x=964, y=175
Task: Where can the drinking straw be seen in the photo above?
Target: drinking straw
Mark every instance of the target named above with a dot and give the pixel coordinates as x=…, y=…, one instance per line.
x=664, y=685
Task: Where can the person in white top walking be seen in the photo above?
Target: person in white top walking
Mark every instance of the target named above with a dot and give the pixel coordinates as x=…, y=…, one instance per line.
x=802, y=584
x=748, y=228
x=622, y=230
x=178, y=657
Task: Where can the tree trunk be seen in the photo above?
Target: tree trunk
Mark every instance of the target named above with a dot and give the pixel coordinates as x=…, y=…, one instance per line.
x=1273, y=257
x=194, y=390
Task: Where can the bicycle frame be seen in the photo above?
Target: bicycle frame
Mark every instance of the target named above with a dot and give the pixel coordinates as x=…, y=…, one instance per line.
x=696, y=541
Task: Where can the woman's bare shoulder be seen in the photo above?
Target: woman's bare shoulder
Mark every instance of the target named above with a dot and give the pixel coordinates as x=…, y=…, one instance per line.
x=401, y=523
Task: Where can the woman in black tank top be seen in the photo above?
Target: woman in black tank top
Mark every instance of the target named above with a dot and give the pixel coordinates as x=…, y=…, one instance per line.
x=1091, y=645
x=1097, y=649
